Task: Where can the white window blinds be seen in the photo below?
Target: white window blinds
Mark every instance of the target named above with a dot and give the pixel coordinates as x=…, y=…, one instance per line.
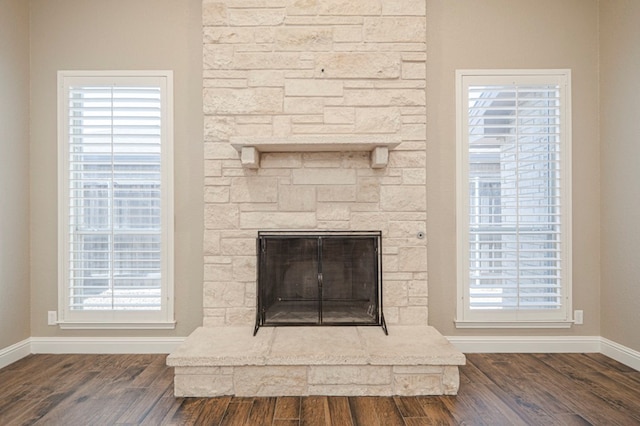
x=115, y=231
x=514, y=143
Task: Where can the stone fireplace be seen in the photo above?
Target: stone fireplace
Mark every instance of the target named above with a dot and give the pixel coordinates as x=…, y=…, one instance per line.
x=315, y=120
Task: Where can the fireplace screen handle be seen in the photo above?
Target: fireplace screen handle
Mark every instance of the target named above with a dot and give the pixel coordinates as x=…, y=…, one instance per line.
x=320, y=279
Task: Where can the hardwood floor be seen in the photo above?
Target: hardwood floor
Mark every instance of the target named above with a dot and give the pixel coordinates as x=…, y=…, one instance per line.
x=495, y=389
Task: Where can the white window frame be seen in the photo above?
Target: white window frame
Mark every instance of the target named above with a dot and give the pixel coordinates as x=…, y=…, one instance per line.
x=513, y=318
x=117, y=319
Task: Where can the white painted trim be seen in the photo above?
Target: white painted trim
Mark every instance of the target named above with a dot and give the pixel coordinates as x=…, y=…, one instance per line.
x=105, y=345
x=15, y=352
x=526, y=344
x=620, y=353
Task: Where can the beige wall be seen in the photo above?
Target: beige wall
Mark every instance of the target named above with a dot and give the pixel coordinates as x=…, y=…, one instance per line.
x=117, y=34
x=511, y=34
x=620, y=160
x=14, y=172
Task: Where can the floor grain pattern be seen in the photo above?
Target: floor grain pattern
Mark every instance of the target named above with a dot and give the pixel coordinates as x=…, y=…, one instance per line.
x=495, y=389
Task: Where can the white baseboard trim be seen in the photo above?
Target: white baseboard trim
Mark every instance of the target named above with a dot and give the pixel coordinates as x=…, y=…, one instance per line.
x=13, y=353
x=466, y=344
x=105, y=345
x=526, y=344
x=620, y=353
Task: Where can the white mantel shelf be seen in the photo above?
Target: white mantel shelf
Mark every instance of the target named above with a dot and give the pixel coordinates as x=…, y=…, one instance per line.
x=379, y=146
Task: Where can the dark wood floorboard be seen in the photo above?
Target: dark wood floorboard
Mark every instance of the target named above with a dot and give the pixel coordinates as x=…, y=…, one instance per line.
x=495, y=389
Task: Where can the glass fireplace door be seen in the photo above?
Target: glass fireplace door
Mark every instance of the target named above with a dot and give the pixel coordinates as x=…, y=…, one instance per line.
x=321, y=278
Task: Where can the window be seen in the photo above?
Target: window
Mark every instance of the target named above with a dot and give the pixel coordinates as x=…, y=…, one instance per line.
x=115, y=199
x=513, y=198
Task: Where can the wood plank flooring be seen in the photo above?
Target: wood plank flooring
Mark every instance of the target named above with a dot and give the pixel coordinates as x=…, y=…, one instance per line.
x=495, y=389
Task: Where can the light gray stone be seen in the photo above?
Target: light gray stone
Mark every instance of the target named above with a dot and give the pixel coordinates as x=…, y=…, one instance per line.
x=277, y=220
x=417, y=384
x=255, y=17
x=403, y=198
x=223, y=294
x=323, y=177
x=395, y=29
x=412, y=259
x=404, y=7
x=296, y=198
x=214, y=13
x=303, y=39
x=350, y=7
x=259, y=189
x=263, y=100
x=378, y=120
x=203, y=385
x=312, y=87
x=274, y=381
x=349, y=375
x=221, y=216
x=357, y=65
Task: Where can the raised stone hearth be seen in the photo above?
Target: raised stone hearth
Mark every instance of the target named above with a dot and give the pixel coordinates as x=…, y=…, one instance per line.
x=297, y=361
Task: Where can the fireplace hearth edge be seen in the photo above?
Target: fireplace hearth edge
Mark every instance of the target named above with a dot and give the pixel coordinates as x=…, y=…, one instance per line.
x=319, y=278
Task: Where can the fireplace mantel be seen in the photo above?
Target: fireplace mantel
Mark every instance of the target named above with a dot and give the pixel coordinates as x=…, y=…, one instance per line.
x=378, y=144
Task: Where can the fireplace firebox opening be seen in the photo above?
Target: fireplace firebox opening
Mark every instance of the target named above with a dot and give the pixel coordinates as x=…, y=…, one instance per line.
x=323, y=278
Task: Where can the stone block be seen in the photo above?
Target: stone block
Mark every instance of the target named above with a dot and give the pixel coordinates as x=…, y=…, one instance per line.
x=226, y=35
x=211, y=242
x=384, y=97
x=312, y=87
x=395, y=29
x=255, y=17
x=450, y=380
x=396, y=198
x=339, y=115
x=304, y=105
x=323, y=177
x=395, y=293
x=221, y=216
x=349, y=375
x=303, y=39
x=336, y=193
x=262, y=100
x=288, y=160
x=216, y=194
x=412, y=259
x=213, y=13
x=378, y=120
x=258, y=189
x=237, y=246
x=272, y=381
x=218, y=128
x=404, y=7
x=266, y=78
x=413, y=315
x=223, y=294
x=240, y=316
x=193, y=385
x=244, y=268
x=350, y=7
x=414, y=70
x=333, y=212
x=417, y=384
x=357, y=65
x=347, y=33
x=266, y=61
x=277, y=220
x=407, y=159
x=296, y=198
x=302, y=7
x=217, y=57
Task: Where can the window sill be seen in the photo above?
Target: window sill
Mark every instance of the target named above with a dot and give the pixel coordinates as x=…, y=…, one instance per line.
x=158, y=325
x=513, y=324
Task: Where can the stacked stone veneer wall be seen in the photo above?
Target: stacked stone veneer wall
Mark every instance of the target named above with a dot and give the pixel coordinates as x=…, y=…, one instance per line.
x=282, y=68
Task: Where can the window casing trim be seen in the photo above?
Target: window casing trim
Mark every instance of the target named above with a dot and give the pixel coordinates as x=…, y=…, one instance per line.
x=511, y=318
x=155, y=319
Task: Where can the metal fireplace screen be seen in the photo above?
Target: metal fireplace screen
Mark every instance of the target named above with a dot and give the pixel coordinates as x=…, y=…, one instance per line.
x=320, y=278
